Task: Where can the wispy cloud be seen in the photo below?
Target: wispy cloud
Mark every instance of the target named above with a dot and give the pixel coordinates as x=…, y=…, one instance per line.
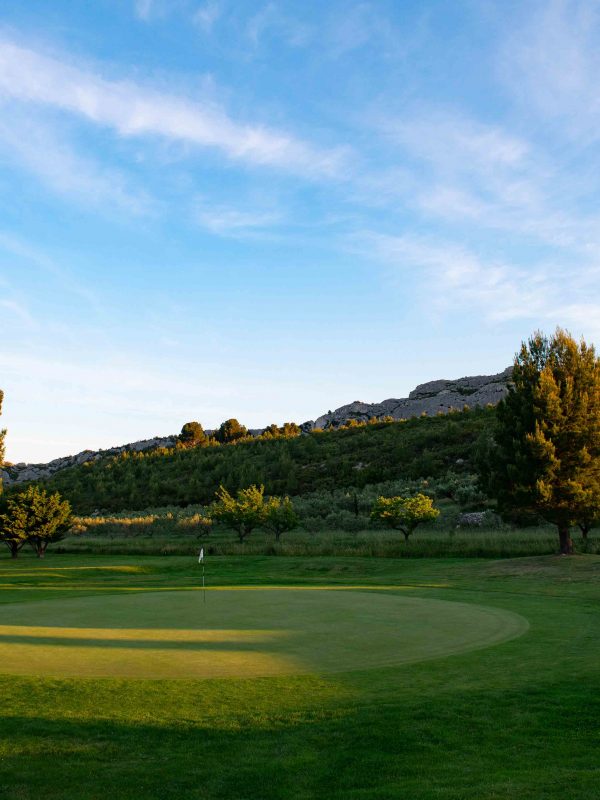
x=28, y=253
x=143, y=8
x=207, y=15
x=361, y=25
x=133, y=110
x=453, y=279
x=47, y=154
x=16, y=310
x=236, y=222
x=551, y=62
x=271, y=19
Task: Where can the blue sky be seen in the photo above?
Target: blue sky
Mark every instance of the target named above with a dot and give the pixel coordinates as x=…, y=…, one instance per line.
x=214, y=208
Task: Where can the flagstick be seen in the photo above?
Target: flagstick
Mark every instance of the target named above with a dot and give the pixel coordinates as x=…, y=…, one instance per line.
x=201, y=561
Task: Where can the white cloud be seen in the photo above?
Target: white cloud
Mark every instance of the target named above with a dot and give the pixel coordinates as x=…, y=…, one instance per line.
x=133, y=110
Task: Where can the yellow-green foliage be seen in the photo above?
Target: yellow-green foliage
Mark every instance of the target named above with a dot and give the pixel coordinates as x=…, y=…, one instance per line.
x=546, y=453
x=404, y=513
x=242, y=513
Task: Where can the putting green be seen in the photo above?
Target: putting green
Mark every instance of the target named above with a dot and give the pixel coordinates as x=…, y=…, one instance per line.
x=240, y=633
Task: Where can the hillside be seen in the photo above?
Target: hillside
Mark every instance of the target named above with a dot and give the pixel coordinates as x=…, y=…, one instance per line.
x=352, y=457
x=434, y=397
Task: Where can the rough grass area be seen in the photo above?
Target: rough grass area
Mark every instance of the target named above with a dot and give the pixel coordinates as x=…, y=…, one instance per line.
x=165, y=532
x=514, y=720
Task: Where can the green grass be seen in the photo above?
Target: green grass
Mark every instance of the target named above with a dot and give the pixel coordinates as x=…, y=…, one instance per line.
x=240, y=632
x=514, y=720
x=160, y=536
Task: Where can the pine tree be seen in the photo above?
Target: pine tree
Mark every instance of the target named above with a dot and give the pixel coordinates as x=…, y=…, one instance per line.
x=230, y=431
x=192, y=434
x=546, y=454
x=2, y=432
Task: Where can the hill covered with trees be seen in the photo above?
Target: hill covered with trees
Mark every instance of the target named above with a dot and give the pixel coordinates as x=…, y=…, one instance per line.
x=355, y=456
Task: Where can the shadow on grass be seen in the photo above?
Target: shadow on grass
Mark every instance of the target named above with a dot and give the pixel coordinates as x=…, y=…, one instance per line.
x=530, y=744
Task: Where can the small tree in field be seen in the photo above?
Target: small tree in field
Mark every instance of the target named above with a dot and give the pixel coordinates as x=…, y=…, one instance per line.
x=404, y=513
x=241, y=513
x=35, y=517
x=279, y=516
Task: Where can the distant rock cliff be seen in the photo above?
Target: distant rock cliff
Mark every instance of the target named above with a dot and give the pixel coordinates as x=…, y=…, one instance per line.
x=430, y=398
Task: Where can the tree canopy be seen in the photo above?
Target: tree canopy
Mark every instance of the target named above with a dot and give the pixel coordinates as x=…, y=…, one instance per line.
x=230, y=431
x=35, y=517
x=242, y=513
x=192, y=434
x=279, y=516
x=404, y=513
x=2, y=431
x=545, y=455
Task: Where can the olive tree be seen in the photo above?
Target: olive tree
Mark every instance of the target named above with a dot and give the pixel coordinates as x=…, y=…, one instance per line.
x=404, y=513
x=279, y=516
x=242, y=513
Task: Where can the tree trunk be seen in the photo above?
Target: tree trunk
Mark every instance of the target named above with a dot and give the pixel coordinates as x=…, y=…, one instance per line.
x=14, y=552
x=406, y=535
x=566, y=543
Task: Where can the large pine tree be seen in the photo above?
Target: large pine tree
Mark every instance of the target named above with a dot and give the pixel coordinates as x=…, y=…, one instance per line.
x=2, y=432
x=546, y=455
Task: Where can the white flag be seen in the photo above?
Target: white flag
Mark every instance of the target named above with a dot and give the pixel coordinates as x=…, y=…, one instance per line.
x=201, y=556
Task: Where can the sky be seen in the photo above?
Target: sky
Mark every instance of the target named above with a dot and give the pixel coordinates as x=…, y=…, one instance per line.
x=217, y=208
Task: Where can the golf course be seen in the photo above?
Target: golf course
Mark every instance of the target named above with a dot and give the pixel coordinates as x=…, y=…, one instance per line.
x=324, y=677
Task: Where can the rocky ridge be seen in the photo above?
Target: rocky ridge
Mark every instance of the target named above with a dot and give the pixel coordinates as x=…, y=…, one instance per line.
x=431, y=398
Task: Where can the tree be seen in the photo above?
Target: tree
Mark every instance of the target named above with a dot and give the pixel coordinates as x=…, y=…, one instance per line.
x=230, y=431
x=242, y=513
x=279, y=516
x=2, y=432
x=35, y=517
x=192, y=434
x=586, y=524
x=404, y=513
x=291, y=430
x=12, y=535
x=271, y=432
x=545, y=456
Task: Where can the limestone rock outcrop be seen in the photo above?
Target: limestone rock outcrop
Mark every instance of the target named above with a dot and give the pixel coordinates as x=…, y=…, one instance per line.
x=429, y=398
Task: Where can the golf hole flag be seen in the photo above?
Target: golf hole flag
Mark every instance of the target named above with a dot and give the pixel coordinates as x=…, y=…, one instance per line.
x=201, y=556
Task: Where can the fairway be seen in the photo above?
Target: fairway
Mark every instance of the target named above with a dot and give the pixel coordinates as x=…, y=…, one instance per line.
x=241, y=633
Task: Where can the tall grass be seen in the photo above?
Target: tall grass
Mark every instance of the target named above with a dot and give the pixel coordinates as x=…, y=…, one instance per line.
x=181, y=532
